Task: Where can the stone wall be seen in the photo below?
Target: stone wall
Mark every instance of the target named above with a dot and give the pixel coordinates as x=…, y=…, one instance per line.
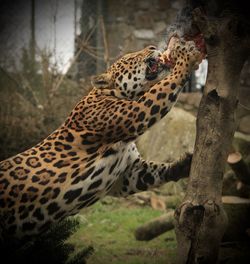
x=132, y=25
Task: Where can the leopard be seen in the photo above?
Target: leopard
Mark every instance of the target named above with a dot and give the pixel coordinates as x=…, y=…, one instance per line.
x=93, y=153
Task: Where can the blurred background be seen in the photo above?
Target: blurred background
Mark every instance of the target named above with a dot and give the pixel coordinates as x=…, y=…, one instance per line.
x=49, y=50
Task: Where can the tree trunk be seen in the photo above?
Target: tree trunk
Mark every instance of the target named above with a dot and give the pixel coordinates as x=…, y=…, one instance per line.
x=33, y=34
x=32, y=42
x=200, y=221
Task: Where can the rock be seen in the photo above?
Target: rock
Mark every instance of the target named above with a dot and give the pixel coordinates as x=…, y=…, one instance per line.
x=144, y=34
x=144, y=5
x=176, y=5
x=244, y=125
x=190, y=100
x=158, y=202
x=183, y=97
x=173, y=201
x=108, y=200
x=170, y=138
x=188, y=107
x=126, y=31
x=194, y=99
x=143, y=20
x=160, y=27
x=164, y=5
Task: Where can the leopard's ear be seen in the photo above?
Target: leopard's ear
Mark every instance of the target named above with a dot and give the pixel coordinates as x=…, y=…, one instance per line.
x=103, y=80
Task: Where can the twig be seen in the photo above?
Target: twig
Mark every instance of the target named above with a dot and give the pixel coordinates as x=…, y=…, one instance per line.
x=11, y=78
x=84, y=46
x=22, y=87
x=29, y=88
x=59, y=82
x=87, y=38
x=105, y=42
x=92, y=53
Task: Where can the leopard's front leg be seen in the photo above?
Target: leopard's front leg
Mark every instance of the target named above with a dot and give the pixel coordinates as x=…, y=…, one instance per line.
x=141, y=175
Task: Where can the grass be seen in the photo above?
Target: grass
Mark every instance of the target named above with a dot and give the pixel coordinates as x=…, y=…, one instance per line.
x=109, y=228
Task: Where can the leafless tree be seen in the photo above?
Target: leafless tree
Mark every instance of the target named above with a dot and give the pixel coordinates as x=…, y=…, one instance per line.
x=201, y=219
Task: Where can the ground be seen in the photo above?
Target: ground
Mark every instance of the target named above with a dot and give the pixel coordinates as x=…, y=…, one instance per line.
x=109, y=227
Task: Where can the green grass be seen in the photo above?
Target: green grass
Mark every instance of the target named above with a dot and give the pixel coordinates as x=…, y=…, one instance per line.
x=109, y=228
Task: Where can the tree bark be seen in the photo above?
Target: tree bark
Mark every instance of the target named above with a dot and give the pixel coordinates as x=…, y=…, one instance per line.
x=200, y=221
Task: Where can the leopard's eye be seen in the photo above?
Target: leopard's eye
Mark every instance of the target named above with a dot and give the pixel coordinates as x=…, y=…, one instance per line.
x=152, y=48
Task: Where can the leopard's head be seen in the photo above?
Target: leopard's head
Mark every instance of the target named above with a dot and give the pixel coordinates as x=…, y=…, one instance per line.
x=133, y=74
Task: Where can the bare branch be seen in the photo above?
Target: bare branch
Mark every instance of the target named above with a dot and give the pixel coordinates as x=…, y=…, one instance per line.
x=105, y=42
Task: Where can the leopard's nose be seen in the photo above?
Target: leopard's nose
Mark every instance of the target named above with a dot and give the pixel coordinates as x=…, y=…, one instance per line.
x=160, y=59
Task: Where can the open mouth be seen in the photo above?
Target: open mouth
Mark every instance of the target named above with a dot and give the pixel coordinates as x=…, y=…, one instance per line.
x=154, y=67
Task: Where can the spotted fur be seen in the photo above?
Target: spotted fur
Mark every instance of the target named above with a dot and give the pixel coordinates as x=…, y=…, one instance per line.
x=93, y=154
